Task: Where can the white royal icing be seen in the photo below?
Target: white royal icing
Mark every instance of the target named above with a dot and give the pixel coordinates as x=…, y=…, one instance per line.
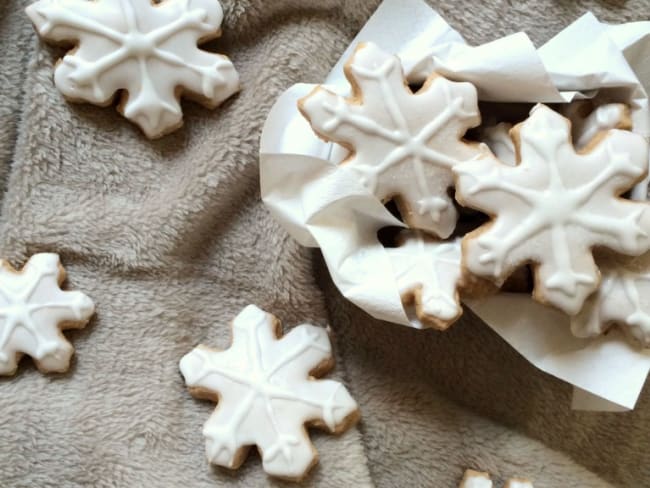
x=623, y=298
x=519, y=484
x=402, y=144
x=149, y=50
x=604, y=117
x=475, y=479
x=497, y=137
x=554, y=206
x=430, y=270
x=33, y=310
x=584, y=129
x=266, y=394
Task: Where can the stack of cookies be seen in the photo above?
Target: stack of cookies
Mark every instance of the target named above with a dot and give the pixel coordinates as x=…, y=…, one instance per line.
x=540, y=204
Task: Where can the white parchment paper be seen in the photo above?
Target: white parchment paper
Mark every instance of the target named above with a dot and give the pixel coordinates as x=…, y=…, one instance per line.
x=321, y=208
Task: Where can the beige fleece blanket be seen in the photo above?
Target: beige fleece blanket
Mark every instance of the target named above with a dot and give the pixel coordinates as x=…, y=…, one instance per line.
x=171, y=240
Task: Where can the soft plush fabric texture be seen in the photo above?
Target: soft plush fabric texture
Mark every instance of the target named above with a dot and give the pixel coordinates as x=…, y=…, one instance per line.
x=171, y=240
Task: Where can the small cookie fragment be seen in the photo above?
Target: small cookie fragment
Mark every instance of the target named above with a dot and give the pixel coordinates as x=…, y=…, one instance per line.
x=622, y=299
x=402, y=144
x=478, y=479
x=148, y=50
x=33, y=312
x=475, y=479
x=554, y=206
x=266, y=391
x=428, y=274
x=518, y=483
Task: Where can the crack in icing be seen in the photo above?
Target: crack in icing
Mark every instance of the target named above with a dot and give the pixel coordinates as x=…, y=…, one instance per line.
x=409, y=127
x=264, y=369
x=119, y=22
x=534, y=201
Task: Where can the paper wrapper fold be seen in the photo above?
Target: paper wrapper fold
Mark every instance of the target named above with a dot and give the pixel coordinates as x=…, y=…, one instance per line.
x=322, y=207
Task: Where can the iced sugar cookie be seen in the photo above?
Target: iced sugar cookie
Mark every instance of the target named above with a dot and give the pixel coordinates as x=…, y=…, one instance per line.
x=147, y=50
x=623, y=300
x=402, y=144
x=428, y=275
x=33, y=312
x=267, y=392
x=477, y=479
x=554, y=206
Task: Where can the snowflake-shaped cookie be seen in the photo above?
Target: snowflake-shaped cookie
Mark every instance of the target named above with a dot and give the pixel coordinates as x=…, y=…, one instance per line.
x=477, y=479
x=428, y=273
x=403, y=144
x=147, y=50
x=623, y=298
x=266, y=393
x=554, y=206
x=34, y=311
